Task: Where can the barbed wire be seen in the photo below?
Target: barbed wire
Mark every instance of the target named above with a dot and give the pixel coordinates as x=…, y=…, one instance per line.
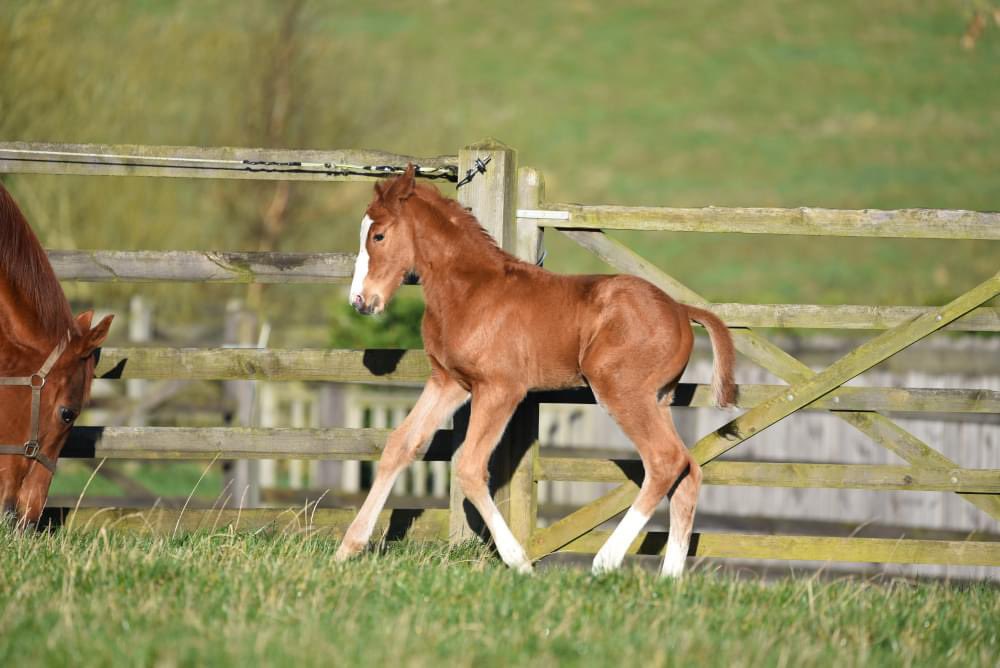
x=447, y=172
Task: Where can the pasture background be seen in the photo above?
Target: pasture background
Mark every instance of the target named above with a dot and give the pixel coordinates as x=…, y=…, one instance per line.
x=851, y=105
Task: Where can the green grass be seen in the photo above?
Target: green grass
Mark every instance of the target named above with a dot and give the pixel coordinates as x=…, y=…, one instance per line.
x=165, y=479
x=250, y=599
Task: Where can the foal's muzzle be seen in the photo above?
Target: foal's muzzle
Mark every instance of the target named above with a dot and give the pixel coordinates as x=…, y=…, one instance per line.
x=366, y=309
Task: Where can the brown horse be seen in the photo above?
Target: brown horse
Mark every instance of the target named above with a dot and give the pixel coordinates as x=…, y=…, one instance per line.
x=496, y=327
x=46, y=365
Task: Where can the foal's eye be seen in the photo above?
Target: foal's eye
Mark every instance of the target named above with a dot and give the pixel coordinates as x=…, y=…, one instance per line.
x=379, y=237
x=67, y=415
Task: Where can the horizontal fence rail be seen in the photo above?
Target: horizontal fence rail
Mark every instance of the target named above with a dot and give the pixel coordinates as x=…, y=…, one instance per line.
x=807, y=548
x=238, y=443
x=784, y=474
x=433, y=525
x=901, y=223
x=849, y=316
x=366, y=445
x=202, y=266
x=412, y=367
x=215, y=163
x=338, y=268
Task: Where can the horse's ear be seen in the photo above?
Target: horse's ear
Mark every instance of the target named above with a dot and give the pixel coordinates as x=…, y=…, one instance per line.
x=83, y=321
x=93, y=338
x=401, y=187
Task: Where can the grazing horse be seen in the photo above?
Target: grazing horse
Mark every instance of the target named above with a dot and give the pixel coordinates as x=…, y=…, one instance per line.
x=496, y=327
x=47, y=360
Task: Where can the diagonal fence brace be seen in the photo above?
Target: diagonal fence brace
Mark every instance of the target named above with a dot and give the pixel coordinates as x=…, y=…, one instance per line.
x=759, y=349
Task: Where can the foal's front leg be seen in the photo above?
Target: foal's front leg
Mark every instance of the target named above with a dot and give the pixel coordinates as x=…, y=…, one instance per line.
x=439, y=400
x=492, y=409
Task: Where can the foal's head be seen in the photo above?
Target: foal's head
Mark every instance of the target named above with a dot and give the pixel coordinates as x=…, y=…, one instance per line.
x=387, y=254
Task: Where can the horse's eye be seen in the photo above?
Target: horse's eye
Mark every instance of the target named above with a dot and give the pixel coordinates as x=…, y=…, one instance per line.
x=67, y=415
x=379, y=237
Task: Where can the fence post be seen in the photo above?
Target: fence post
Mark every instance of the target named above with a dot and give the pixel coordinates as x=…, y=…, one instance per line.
x=140, y=330
x=523, y=498
x=242, y=476
x=492, y=198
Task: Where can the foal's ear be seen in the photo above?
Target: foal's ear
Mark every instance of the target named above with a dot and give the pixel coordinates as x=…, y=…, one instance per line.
x=397, y=190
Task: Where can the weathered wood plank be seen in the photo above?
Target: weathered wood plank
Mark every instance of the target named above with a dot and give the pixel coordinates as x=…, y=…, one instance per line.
x=418, y=524
x=364, y=366
x=809, y=548
x=202, y=266
x=522, y=497
x=201, y=162
x=892, y=399
x=237, y=443
x=784, y=474
x=859, y=360
x=904, y=223
x=849, y=316
x=395, y=366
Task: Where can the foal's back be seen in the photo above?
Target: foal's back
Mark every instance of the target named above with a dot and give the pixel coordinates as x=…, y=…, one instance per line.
x=550, y=331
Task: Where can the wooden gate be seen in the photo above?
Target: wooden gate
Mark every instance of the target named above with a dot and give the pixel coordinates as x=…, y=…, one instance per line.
x=511, y=205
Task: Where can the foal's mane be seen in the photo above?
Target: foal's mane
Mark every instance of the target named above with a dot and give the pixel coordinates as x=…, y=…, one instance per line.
x=461, y=217
x=27, y=270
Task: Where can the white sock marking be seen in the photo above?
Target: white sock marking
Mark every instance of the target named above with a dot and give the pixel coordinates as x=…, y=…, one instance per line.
x=361, y=264
x=510, y=550
x=613, y=552
x=677, y=550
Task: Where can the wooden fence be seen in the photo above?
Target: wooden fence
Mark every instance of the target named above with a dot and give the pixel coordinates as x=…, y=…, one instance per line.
x=511, y=205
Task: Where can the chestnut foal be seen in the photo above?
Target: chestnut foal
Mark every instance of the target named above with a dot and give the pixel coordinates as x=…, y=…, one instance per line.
x=495, y=327
x=46, y=364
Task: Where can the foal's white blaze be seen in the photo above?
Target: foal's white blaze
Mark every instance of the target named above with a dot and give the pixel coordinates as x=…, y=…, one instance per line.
x=361, y=264
x=613, y=552
x=677, y=552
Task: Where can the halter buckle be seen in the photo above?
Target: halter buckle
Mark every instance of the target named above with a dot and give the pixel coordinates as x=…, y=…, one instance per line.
x=36, y=381
x=31, y=449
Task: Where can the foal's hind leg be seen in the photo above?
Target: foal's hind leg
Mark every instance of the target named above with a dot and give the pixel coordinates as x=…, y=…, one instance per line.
x=664, y=458
x=683, y=501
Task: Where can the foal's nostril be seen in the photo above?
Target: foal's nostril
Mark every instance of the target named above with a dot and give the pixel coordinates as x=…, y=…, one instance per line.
x=358, y=302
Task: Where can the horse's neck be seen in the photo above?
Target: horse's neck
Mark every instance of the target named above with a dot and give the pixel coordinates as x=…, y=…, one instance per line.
x=454, y=257
x=19, y=329
x=33, y=307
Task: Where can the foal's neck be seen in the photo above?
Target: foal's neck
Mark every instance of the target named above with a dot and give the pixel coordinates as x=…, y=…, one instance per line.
x=453, y=251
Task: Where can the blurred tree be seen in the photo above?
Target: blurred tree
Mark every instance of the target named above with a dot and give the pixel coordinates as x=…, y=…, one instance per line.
x=397, y=327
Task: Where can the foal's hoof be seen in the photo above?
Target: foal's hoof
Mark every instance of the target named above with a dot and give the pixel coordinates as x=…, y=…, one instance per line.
x=347, y=551
x=525, y=568
x=604, y=563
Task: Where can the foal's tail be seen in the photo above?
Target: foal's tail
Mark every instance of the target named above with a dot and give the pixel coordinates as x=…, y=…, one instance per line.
x=723, y=384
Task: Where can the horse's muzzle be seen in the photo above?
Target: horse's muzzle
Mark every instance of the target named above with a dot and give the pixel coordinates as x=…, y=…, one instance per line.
x=366, y=309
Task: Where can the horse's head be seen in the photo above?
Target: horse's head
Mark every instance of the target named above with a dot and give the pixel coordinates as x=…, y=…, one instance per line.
x=24, y=481
x=387, y=253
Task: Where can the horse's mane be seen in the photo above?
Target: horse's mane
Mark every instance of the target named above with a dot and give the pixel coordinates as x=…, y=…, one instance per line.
x=26, y=266
x=463, y=218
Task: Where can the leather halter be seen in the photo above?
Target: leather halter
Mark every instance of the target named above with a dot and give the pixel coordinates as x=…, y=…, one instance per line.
x=32, y=449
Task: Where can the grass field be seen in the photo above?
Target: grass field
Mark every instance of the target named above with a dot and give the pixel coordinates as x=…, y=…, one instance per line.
x=79, y=598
